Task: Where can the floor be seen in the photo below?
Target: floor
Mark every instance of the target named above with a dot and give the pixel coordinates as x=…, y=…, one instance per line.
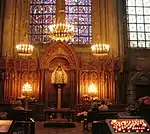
x=40, y=129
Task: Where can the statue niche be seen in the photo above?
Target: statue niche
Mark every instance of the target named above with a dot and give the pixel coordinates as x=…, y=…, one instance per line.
x=59, y=77
x=55, y=54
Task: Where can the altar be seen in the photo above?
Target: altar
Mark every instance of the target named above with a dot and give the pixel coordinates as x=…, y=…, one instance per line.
x=64, y=117
x=65, y=112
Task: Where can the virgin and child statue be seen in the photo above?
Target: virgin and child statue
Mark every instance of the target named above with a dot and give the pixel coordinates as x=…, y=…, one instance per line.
x=59, y=76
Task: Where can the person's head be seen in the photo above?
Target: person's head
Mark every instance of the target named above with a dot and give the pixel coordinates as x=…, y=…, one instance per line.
x=102, y=102
x=94, y=101
x=18, y=102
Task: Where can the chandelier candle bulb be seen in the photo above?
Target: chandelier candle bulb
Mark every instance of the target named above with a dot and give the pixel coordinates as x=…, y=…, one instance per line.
x=100, y=49
x=61, y=31
x=24, y=49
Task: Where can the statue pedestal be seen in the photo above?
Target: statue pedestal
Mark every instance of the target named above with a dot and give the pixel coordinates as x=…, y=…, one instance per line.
x=59, y=102
x=59, y=98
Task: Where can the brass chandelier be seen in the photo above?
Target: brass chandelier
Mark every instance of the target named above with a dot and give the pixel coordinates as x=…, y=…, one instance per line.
x=61, y=30
x=24, y=49
x=100, y=49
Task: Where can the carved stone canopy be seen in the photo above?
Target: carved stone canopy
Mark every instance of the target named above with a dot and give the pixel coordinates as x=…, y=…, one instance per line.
x=61, y=50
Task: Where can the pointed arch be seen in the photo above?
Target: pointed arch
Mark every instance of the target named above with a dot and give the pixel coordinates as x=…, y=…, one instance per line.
x=59, y=50
x=140, y=77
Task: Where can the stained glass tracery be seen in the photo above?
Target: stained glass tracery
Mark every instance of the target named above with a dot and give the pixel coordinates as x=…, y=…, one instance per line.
x=78, y=13
x=42, y=14
x=138, y=22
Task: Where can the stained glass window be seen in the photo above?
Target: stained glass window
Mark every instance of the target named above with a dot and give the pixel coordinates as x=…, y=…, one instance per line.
x=138, y=22
x=78, y=13
x=42, y=14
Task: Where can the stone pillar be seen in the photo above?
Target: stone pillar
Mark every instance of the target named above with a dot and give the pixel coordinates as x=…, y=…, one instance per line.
x=16, y=19
x=96, y=21
x=77, y=87
x=130, y=95
x=121, y=9
x=42, y=80
x=59, y=99
x=1, y=23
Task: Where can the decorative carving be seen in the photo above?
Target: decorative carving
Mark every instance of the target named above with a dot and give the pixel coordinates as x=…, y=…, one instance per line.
x=108, y=65
x=89, y=65
x=84, y=83
x=143, y=80
x=17, y=64
x=2, y=63
x=24, y=75
x=33, y=65
x=137, y=78
x=99, y=65
x=93, y=78
x=58, y=49
x=100, y=72
x=10, y=64
x=33, y=76
x=24, y=64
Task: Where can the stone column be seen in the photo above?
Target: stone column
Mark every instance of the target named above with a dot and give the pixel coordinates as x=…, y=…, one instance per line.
x=1, y=23
x=77, y=86
x=96, y=21
x=121, y=27
x=16, y=19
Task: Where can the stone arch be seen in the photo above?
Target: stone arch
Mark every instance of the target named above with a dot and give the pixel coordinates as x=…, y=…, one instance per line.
x=140, y=77
x=59, y=49
x=137, y=78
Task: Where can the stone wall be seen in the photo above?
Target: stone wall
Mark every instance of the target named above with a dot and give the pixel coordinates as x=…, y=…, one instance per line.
x=138, y=67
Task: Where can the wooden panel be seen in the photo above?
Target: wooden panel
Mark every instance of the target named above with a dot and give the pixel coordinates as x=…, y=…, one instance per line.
x=2, y=63
x=100, y=73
